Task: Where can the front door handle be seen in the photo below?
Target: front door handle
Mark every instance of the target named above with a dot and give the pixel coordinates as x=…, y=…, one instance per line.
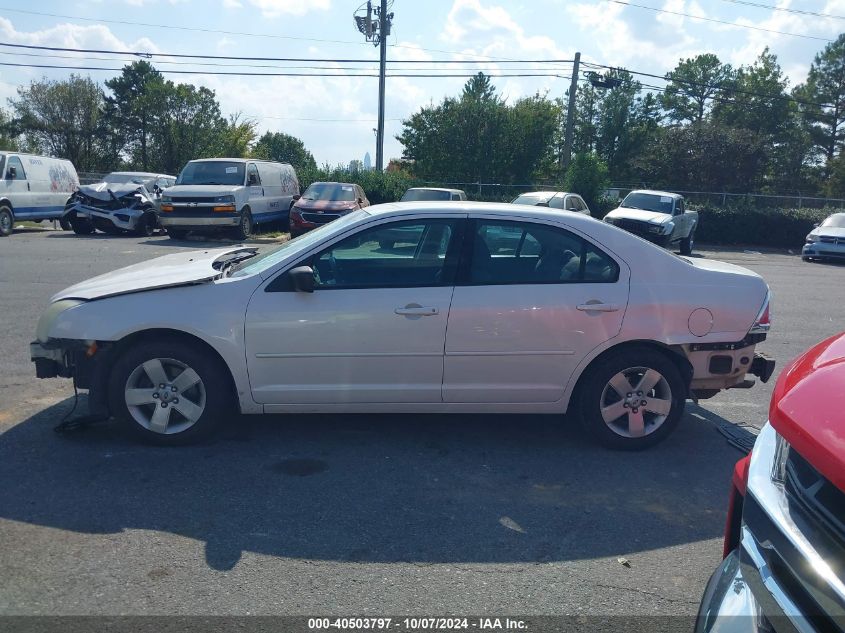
x=598, y=307
x=414, y=309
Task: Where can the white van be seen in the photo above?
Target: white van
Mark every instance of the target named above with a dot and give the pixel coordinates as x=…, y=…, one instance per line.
x=34, y=188
x=228, y=193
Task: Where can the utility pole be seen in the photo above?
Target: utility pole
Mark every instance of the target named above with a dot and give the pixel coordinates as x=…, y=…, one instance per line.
x=570, y=114
x=383, y=30
x=376, y=31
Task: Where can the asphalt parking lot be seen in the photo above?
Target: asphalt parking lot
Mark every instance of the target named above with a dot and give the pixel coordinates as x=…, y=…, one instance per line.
x=363, y=514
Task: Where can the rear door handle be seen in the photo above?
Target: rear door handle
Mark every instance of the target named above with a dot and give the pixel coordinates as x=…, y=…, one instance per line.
x=416, y=310
x=598, y=307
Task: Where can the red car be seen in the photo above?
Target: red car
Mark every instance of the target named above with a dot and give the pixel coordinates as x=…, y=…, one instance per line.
x=784, y=554
x=323, y=202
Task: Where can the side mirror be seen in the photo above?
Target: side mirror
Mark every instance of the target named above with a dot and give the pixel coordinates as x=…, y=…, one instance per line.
x=360, y=201
x=296, y=196
x=252, y=180
x=12, y=173
x=302, y=278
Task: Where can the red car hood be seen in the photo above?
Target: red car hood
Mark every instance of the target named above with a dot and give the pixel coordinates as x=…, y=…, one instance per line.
x=808, y=407
x=315, y=206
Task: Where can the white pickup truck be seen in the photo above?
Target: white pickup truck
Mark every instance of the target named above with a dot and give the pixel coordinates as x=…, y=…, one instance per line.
x=658, y=216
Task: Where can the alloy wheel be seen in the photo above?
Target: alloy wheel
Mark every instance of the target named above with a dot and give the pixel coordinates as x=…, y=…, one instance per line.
x=165, y=396
x=636, y=402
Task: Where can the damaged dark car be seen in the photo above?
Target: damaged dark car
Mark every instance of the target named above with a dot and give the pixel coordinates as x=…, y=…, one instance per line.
x=125, y=202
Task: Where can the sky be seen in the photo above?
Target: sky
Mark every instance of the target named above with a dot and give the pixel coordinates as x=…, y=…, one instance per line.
x=335, y=115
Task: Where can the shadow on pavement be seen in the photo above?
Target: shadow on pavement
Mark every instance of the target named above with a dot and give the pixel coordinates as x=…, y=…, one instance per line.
x=385, y=488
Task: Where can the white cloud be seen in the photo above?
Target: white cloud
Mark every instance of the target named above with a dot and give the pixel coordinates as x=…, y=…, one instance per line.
x=276, y=8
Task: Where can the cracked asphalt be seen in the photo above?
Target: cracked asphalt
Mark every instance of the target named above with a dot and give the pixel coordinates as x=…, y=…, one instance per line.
x=360, y=514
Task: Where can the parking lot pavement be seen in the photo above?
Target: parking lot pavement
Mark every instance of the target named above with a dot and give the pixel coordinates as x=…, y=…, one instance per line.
x=378, y=514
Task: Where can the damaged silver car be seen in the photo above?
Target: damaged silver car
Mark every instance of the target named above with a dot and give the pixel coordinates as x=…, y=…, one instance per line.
x=126, y=201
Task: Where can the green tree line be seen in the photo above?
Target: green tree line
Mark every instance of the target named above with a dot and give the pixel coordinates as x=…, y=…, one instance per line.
x=137, y=120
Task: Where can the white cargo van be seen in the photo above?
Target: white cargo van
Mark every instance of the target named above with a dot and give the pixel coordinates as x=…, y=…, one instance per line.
x=228, y=193
x=33, y=188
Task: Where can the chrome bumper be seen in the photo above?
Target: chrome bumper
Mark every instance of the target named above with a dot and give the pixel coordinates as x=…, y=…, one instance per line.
x=187, y=222
x=743, y=596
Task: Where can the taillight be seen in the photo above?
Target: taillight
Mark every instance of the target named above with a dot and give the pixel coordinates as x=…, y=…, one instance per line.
x=763, y=321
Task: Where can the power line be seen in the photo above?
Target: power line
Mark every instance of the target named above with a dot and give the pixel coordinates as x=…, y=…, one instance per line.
x=280, y=74
x=744, y=26
x=241, y=33
x=148, y=55
x=787, y=10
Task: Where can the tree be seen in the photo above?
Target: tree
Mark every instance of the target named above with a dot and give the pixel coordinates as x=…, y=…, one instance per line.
x=7, y=141
x=62, y=118
x=478, y=137
x=693, y=83
x=823, y=101
x=284, y=148
x=238, y=136
x=133, y=108
x=587, y=176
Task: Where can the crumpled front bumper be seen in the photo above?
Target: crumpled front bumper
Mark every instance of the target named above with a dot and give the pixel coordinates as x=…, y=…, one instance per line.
x=129, y=221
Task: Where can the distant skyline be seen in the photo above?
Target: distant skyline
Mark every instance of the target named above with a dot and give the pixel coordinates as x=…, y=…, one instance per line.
x=335, y=115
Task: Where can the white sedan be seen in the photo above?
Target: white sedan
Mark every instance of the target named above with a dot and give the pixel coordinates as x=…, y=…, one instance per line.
x=472, y=308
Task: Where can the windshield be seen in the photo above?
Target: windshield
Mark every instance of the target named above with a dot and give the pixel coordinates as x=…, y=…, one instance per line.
x=272, y=257
x=836, y=221
x=413, y=195
x=648, y=202
x=329, y=191
x=531, y=199
x=212, y=172
x=118, y=178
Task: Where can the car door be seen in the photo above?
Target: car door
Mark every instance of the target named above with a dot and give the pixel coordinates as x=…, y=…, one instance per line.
x=17, y=189
x=374, y=327
x=257, y=201
x=530, y=302
x=680, y=220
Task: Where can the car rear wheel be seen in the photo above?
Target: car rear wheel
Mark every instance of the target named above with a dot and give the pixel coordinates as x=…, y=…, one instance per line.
x=169, y=392
x=7, y=221
x=687, y=243
x=633, y=399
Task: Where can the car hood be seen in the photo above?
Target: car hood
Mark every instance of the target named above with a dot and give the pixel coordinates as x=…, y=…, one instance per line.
x=171, y=270
x=178, y=191
x=807, y=405
x=100, y=190
x=325, y=205
x=828, y=231
x=638, y=214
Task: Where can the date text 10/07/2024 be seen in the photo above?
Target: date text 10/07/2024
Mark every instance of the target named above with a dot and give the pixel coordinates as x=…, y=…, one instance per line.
x=417, y=624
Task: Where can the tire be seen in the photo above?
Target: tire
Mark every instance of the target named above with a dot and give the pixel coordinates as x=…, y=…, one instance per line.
x=636, y=427
x=244, y=228
x=687, y=243
x=82, y=226
x=805, y=259
x=7, y=221
x=65, y=224
x=196, y=391
x=146, y=224
x=177, y=234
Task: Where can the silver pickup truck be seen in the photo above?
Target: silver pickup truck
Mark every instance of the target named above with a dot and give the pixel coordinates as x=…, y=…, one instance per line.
x=657, y=216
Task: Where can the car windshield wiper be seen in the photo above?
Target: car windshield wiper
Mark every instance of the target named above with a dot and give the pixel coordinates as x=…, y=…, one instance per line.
x=224, y=263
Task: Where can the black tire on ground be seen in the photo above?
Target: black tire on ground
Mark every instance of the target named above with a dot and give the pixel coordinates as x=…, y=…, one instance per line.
x=146, y=224
x=687, y=243
x=244, y=228
x=209, y=398
x=177, y=234
x=82, y=226
x=65, y=224
x=7, y=221
x=599, y=399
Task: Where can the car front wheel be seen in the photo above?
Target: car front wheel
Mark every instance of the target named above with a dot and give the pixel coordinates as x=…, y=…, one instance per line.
x=633, y=399
x=687, y=243
x=169, y=392
x=7, y=221
x=244, y=229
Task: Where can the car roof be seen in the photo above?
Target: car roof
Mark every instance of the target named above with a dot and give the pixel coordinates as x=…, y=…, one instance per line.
x=488, y=208
x=546, y=194
x=436, y=189
x=656, y=192
x=332, y=182
x=236, y=160
x=145, y=174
